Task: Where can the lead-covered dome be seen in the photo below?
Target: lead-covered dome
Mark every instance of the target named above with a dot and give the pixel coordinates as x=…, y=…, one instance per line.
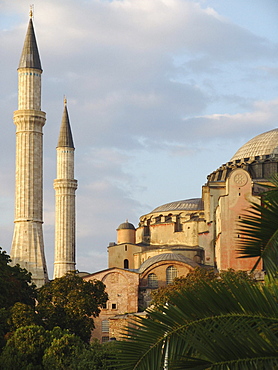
x=263, y=144
x=126, y=226
x=195, y=204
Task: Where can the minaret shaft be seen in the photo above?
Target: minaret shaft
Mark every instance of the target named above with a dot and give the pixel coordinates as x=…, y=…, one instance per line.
x=27, y=245
x=29, y=171
x=65, y=163
x=29, y=88
x=65, y=186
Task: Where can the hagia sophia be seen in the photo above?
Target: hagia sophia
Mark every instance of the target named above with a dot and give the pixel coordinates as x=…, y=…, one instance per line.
x=179, y=236
x=168, y=242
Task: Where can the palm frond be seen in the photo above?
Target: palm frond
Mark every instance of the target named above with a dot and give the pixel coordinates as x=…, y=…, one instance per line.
x=259, y=230
x=216, y=324
x=259, y=236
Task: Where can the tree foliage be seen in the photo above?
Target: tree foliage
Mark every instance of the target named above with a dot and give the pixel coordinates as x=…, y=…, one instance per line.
x=64, y=353
x=22, y=315
x=69, y=352
x=25, y=349
x=15, y=284
x=69, y=302
x=15, y=288
x=35, y=348
x=100, y=357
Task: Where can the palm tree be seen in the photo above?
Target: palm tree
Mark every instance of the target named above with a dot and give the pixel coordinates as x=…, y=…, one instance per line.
x=224, y=324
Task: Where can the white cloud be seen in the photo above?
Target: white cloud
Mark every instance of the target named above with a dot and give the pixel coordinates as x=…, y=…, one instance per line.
x=262, y=117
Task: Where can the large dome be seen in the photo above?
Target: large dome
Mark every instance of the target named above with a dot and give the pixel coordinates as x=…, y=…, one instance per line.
x=263, y=144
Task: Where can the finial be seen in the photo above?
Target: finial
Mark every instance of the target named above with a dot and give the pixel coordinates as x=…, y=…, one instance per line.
x=31, y=12
x=65, y=100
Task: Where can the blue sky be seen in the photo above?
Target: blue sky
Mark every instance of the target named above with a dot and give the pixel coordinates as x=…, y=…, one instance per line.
x=160, y=93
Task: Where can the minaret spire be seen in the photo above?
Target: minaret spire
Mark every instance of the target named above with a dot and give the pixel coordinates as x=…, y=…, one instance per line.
x=27, y=245
x=65, y=137
x=31, y=12
x=30, y=57
x=65, y=186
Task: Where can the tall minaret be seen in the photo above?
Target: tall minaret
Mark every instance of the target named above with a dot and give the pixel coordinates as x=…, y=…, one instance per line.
x=27, y=245
x=65, y=187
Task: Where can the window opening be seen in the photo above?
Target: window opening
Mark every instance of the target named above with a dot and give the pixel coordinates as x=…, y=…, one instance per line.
x=171, y=273
x=105, y=339
x=152, y=281
x=105, y=326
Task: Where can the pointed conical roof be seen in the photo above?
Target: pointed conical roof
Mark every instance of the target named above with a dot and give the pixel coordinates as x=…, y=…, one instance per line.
x=65, y=137
x=30, y=54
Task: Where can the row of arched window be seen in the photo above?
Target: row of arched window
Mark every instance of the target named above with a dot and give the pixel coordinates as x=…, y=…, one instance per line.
x=171, y=273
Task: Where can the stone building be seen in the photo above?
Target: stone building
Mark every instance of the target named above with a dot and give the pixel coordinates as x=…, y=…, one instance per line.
x=179, y=236
x=122, y=287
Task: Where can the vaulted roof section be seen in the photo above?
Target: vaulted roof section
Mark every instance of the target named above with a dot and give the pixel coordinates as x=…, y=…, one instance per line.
x=166, y=257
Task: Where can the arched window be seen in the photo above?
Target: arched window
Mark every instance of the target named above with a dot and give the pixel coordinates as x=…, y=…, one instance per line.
x=126, y=264
x=171, y=273
x=152, y=281
x=197, y=258
x=105, y=326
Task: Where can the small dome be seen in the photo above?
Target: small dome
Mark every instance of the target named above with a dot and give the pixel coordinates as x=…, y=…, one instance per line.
x=126, y=225
x=263, y=144
x=195, y=204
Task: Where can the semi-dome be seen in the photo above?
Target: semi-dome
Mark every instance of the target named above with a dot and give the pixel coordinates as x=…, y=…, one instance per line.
x=125, y=226
x=263, y=144
x=195, y=204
